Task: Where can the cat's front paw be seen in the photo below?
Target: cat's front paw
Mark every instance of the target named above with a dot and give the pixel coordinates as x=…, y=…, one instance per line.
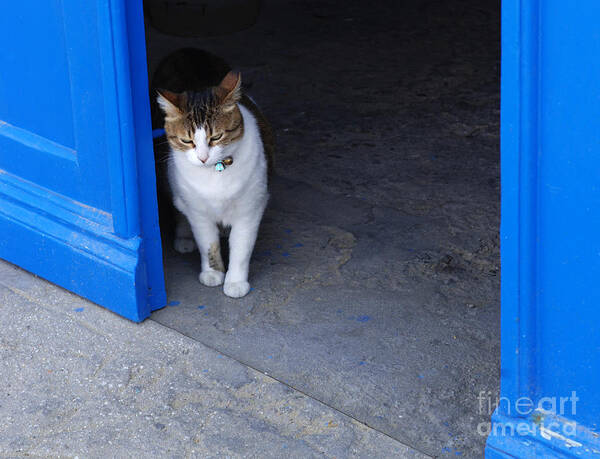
x=211, y=278
x=184, y=244
x=236, y=289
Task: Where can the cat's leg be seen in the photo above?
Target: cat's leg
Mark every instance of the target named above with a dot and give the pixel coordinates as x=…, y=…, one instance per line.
x=184, y=238
x=206, y=234
x=241, y=243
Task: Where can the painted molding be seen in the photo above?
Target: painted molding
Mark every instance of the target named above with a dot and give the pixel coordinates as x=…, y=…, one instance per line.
x=70, y=244
x=146, y=175
x=119, y=117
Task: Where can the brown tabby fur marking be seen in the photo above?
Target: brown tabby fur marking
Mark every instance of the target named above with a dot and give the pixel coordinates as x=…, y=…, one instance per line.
x=194, y=89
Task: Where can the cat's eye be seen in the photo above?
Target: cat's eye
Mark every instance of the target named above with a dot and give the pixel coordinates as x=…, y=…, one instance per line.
x=189, y=142
x=214, y=138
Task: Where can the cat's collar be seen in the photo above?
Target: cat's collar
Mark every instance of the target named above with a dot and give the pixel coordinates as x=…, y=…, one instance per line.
x=221, y=165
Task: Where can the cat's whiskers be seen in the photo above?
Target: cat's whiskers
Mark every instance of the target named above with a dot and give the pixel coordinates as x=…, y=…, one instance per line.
x=168, y=158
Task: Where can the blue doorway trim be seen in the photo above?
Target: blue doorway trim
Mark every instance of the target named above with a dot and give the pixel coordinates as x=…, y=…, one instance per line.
x=150, y=230
x=549, y=402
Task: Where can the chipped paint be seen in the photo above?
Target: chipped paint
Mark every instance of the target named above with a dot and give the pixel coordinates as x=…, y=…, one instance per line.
x=549, y=434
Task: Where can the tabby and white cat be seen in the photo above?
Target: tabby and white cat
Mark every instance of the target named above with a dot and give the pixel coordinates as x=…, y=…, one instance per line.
x=217, y=173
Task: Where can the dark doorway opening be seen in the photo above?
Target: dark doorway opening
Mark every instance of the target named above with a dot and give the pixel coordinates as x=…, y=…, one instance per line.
x=376, y=272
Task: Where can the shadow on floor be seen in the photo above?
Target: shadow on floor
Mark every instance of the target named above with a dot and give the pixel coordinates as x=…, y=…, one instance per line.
x=376, y=272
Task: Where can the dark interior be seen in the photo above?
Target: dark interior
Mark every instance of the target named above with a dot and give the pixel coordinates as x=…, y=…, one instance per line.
x=376, y=272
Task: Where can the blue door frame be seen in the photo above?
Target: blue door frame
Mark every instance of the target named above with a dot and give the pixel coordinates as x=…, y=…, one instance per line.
x=78, y=198
x=77, y=185
x=550, y=231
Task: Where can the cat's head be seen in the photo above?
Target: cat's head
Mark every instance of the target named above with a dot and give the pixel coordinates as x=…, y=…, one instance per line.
x=200, y=125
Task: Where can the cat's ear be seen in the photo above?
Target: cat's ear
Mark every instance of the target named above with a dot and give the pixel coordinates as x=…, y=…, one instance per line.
x=170, y=102
x=230, y=89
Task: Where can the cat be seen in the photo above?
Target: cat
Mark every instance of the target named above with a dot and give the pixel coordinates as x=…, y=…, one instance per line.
x=217, y=168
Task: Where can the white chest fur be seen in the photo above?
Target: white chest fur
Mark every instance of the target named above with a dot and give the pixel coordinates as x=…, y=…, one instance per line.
x=223, y=197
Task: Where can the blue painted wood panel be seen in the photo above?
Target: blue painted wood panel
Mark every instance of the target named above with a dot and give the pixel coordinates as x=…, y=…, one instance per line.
x=568, y=283
x=550, y=248
x=77, y=187
x=51, y=87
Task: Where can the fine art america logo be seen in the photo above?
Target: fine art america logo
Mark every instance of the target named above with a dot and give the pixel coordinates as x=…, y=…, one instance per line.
x=537, y=417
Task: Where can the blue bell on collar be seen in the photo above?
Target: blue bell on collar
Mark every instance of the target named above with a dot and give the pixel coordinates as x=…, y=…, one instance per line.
x=221, y=165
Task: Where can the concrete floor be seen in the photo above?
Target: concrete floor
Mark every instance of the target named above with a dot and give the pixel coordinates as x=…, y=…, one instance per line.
x=376, y=272
x=80, y=381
